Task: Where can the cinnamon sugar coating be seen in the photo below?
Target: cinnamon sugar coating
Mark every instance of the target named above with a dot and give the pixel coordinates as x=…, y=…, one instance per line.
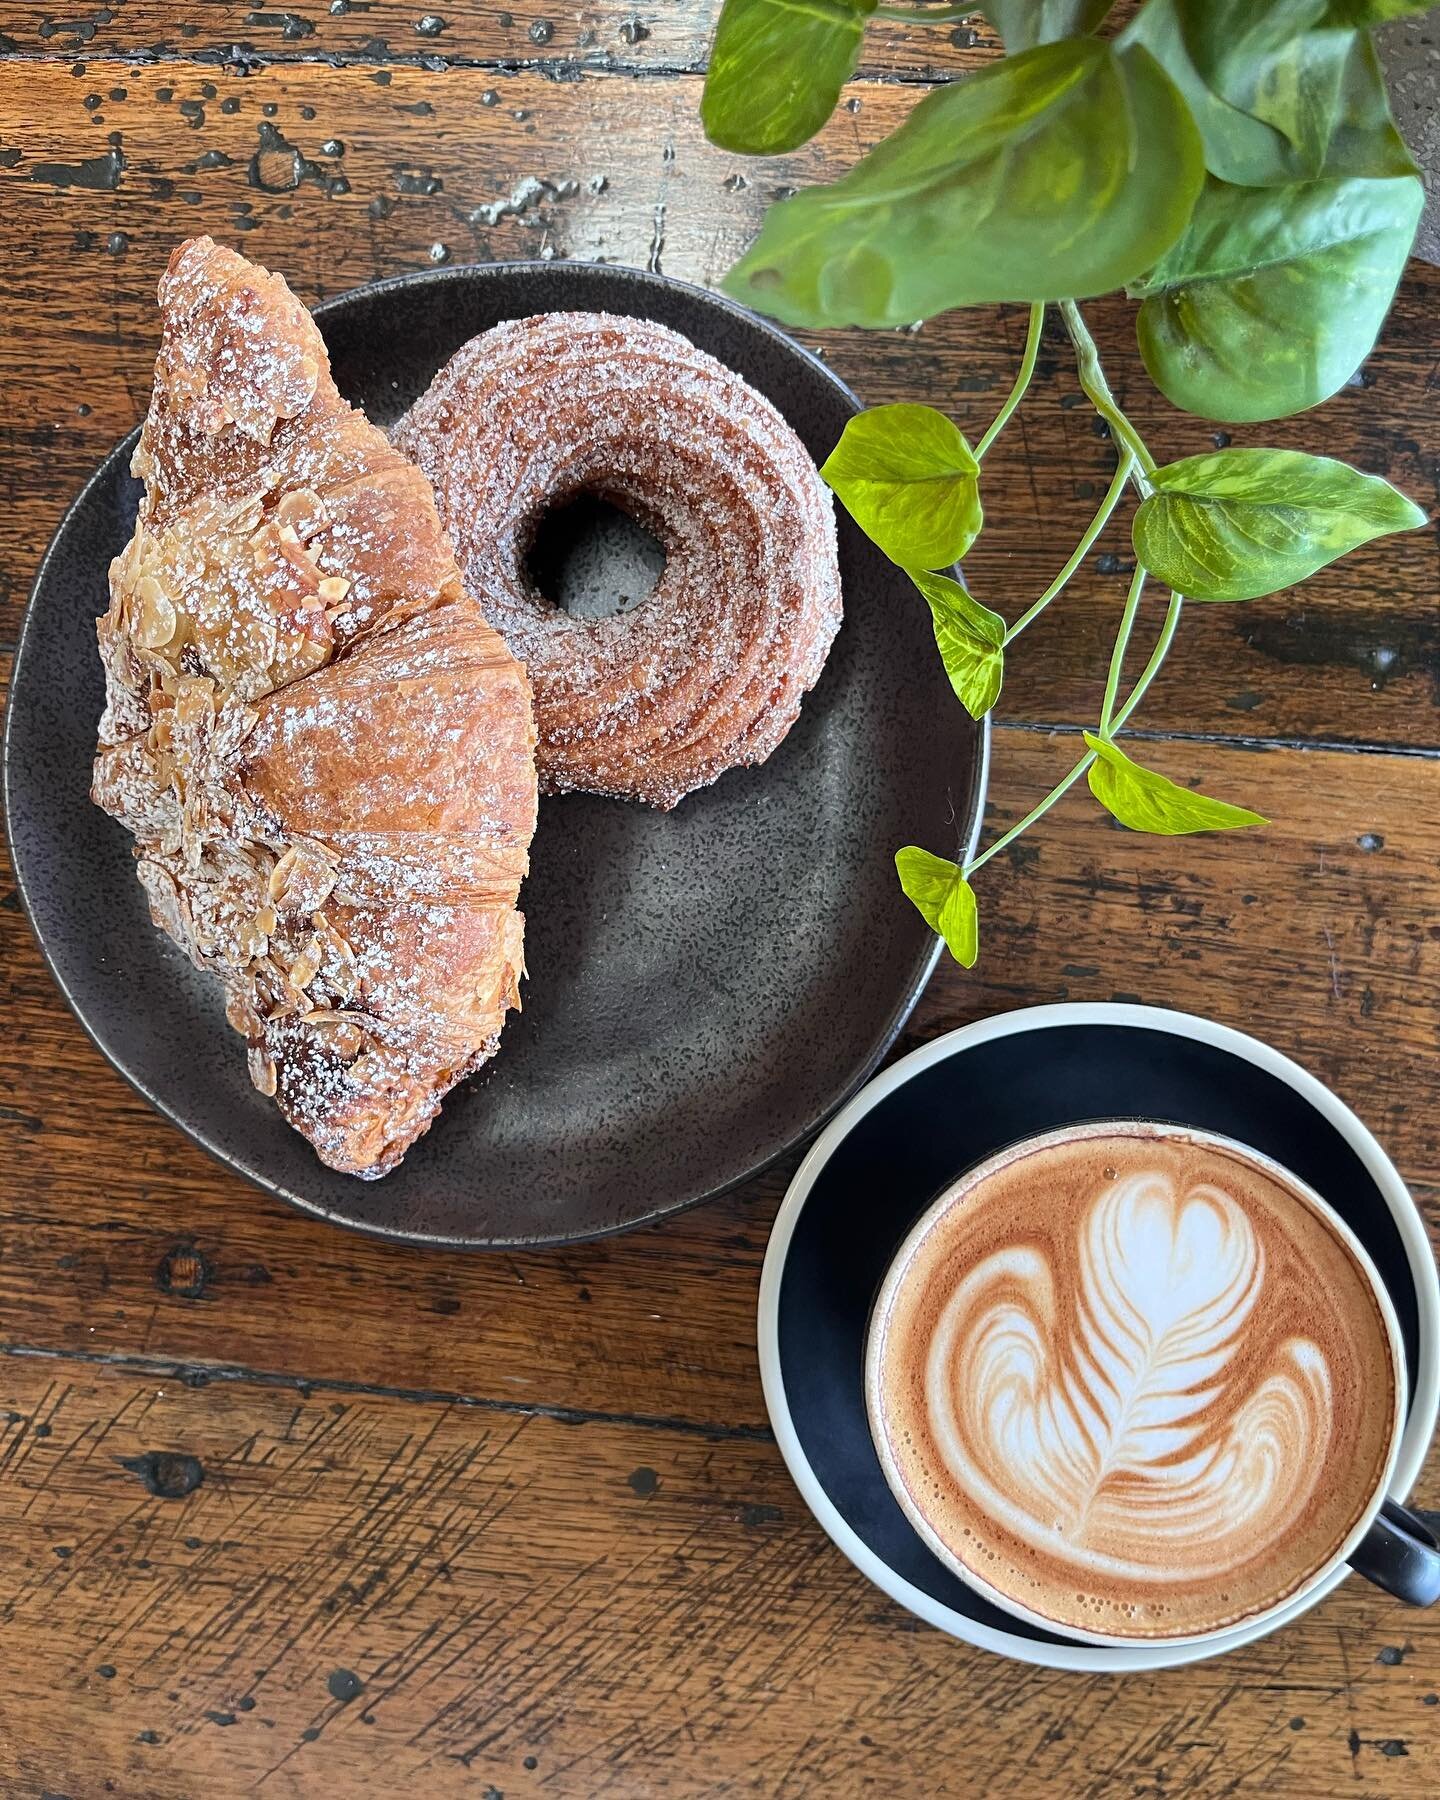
x=709, y=671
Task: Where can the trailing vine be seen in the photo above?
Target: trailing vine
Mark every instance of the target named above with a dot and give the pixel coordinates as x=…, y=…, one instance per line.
x=1233, y=165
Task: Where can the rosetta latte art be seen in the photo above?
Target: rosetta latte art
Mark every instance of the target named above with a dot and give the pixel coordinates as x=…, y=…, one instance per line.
x=1116, y=1424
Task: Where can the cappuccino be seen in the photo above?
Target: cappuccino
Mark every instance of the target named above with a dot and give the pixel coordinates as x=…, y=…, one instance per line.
x=1133, y=1381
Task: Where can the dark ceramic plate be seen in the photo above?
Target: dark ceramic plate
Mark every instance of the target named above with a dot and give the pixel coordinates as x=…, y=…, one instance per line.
x=946, y=1107
x=705, y=986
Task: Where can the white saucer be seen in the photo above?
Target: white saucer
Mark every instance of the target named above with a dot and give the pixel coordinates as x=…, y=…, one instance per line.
x=935, y=1112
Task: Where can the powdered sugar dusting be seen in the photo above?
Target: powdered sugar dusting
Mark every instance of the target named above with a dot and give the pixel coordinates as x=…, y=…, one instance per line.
x=711, y=669
x=324, y=752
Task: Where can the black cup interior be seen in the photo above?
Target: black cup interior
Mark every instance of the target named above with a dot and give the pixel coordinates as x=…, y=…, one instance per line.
x=948, y=1117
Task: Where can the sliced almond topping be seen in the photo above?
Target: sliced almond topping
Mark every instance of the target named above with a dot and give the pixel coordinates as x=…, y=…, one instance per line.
x=333, y=589
x=339, y=958
x=341, y=1033
x=244, y=513
x=335, y=939
x=301, y=880
x=305, y=966
x=194, y=700
x=309, y=652
x=251, y=940
x=298, y=559
x=302, y=511
x=286, y=1005
x=242, y=1014
x=280, y=874
x=262, y=1070
x=319, y=632
x=156, y=620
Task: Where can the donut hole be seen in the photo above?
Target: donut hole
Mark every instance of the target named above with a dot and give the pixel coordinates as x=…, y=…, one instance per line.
x=593, y=559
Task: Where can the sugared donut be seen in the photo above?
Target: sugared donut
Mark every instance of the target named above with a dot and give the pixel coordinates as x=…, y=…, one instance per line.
x=707, y=672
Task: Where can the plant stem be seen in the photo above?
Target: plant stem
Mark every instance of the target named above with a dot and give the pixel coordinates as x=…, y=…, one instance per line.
x=1152, y=668
x=1081, y=766
x=1081, y=550
x=1058, y=792
x=925, y=15
x=1022, y=379
x=1122, y=644
x=1135, y=463
x=1097, y=388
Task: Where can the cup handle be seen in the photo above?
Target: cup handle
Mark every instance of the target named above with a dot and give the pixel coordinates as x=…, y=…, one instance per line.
x=1400, y=1554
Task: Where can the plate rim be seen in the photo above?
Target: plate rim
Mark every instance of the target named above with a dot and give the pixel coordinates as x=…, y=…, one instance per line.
x=881, y=1043
x=1415, y=1438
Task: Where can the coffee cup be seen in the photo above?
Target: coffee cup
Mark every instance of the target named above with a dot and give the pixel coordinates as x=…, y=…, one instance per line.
x=1138, y=1384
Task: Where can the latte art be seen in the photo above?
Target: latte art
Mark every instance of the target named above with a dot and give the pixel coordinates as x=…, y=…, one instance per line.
x=1139, y=1388
x=1119, y=1424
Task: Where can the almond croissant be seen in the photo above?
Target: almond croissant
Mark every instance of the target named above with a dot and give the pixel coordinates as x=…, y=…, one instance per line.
x=325, y=754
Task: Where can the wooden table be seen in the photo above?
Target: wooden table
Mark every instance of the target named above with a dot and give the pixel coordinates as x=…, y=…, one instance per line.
x=283, y=1510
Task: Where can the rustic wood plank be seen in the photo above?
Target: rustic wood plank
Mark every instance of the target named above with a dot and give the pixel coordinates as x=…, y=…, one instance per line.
x=156, y=1250
x=343, y=1596
x=233, y=35
x=160, y=1254
x=503, y=1525
x=1352, y=658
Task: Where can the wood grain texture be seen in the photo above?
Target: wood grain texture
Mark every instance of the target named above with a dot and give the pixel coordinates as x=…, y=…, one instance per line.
x=515, y=1525
x=1328, y=914
x=351, y=1595
x=1351, y=658
x=641, y=38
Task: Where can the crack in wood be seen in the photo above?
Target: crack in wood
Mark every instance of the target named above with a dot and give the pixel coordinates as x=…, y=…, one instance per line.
x=201, y=1374
x=255, y=61
x=1231, y=741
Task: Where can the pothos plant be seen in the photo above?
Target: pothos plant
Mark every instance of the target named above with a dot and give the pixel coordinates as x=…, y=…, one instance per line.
x=1233, y=166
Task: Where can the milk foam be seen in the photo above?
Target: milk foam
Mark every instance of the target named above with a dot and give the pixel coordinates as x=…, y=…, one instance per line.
x=1128, y=1395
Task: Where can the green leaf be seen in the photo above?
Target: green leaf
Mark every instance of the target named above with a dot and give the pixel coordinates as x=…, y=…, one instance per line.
x=776, y=70
x=911, y=483
x=1064, y=171
x=1240, y=523
x=1364, y=138
x=1374, y=12
x=1146, y=801
x=1264, y=61
x=943, y=898
x=1025, y=23
x=1273, y=297
x=1276, y=101
x=970, y=639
